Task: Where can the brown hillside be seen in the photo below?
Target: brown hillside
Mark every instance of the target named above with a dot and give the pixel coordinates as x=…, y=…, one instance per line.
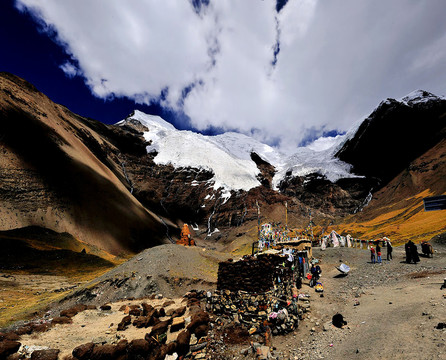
x=397, y=209
x=58, y=173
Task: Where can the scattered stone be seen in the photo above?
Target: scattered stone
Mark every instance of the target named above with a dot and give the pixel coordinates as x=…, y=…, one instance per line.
x=48, y=354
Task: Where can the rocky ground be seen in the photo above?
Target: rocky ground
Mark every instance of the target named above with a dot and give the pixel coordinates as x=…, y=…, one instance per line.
x=392, y=310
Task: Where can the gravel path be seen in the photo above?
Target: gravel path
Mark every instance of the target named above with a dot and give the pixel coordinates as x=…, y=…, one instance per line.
x=398, y=306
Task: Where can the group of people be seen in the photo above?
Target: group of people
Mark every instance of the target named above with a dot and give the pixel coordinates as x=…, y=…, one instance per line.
x=375, y=253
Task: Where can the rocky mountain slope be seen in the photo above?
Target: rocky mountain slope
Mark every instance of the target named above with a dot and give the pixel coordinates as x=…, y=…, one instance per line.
x=130, y=186
x=57, y=172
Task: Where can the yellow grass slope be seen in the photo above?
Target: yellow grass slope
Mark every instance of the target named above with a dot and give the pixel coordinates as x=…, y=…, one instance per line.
x=397, y=210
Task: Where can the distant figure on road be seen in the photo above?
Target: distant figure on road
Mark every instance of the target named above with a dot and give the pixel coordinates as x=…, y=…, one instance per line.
x=378, y=253
x=372, y=255
x=408, y=254
x=411, y=252
x=414, y=251
x=389, y=250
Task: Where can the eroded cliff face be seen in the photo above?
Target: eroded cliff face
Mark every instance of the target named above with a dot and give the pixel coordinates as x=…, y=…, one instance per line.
x=57, y=172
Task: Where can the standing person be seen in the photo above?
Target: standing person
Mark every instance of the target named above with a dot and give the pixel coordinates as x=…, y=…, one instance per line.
x=407, y=248
x=378, y=253
x=372, y=254
x=414, y=251
x=389, y=250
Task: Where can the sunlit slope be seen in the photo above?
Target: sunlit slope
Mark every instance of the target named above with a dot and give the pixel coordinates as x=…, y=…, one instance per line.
x=397, y=210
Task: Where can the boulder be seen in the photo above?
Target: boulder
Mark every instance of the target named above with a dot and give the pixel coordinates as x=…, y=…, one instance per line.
x=61, y=320
x=146, y=309
x=125, y=322
x=338, y=320
x=178, y=323
x=138, y=347
x=8, y=347
x=104, y=352
x=74, y=310
x=49, y=354
x=83, y=352
x=200, y=318
x=159, y=328
x=178, y=312
x=183, y=340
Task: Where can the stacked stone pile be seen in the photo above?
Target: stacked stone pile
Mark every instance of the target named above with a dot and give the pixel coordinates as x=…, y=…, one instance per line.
x=259, y=293
x=253, y=274
x=256, y=311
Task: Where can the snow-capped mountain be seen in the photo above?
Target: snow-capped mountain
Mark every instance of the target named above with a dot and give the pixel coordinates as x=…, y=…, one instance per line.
x=228, y=155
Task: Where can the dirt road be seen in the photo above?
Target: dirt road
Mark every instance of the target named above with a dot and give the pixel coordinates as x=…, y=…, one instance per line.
x=398, y=307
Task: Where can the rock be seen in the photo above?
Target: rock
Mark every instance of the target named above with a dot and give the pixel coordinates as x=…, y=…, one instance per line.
x=338, y=320
x=183, y=341
x=159, y=328
x=61, y=320
x=143, y=321
x=198, y=347
x=168, y=303
x=135, y=312
x=74, y=310
x=178, y=312
x=252, y=330
x=263, y=353
x=201, y=355
x=138, y=347
x=125, y=322
x=193, y=340
x=83, y=352
x=178, y=323
x=49, y=354
x=200, y=318
x=105, y=307
x=8, y=347
x=103, y=352
x=174, y=356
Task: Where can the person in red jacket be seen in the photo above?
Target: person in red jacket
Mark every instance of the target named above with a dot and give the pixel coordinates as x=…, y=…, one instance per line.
x=372, y=254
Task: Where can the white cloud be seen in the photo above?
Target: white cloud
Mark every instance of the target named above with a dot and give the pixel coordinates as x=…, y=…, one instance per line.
x=69, y=69
x=337, y=60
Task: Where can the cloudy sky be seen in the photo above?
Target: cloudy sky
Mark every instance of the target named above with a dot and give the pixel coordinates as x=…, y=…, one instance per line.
x=285, y=72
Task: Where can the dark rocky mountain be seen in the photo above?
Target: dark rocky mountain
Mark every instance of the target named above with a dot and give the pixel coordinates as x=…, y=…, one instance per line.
x=98, y=183
x=394, y=135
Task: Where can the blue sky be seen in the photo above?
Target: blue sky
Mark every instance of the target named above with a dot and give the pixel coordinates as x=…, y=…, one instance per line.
x=284, y=72
x=30, y=53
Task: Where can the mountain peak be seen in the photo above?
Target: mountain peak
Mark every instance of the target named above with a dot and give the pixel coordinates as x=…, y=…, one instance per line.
x=419, y=96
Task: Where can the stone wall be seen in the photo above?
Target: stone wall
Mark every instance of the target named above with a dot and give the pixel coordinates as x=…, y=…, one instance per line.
x=253, y=274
